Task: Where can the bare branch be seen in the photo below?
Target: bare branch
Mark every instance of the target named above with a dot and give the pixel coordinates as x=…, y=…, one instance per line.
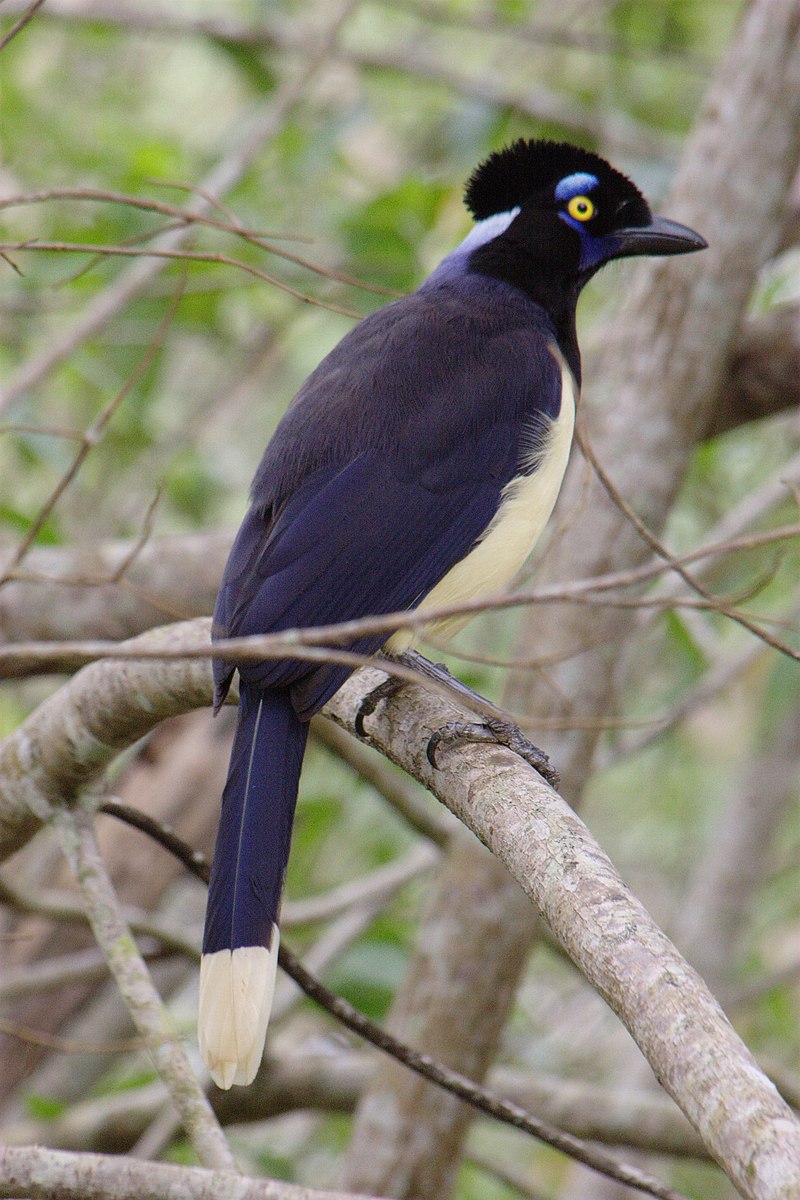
x=332, y=1082
x=94, y=434
x=246, y=145
x=472, y=1093
x=49, y=1041
x=232, y=226
x=26, y=17
x=436, y=1072
x=376, y=886
x=52, y=973
x=24, y=657
x=65, y=906
x=172, y=578
x=649, y=538
x=183, y=256
x=37, y=1172
x=76, y=836
x=543, y=844
x=396, y=789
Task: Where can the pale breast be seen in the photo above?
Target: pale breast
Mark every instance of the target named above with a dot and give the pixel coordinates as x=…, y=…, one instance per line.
x=525, y=508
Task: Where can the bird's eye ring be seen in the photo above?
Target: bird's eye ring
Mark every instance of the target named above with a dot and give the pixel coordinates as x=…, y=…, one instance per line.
x=581, y=208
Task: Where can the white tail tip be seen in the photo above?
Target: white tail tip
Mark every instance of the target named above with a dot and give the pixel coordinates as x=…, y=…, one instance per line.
x=236, y=989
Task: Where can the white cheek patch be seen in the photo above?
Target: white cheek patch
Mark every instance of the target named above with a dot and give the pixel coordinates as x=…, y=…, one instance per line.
x=487, y=230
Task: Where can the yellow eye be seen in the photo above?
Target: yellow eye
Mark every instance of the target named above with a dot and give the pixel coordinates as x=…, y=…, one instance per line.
x=581, y=208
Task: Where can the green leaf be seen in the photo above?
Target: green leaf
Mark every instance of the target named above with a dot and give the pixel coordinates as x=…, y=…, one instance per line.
x=44, y=1108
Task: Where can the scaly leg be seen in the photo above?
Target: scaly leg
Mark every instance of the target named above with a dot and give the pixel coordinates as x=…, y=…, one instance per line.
x=491, y=729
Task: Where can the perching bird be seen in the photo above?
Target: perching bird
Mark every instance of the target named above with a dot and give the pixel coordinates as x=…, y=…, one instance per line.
x=418, y=465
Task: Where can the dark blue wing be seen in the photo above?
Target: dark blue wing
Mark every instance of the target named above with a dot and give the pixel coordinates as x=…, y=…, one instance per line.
x=376, y=528
x=358, y=541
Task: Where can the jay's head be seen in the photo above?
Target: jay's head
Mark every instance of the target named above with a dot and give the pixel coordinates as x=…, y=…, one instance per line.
x=568, y=209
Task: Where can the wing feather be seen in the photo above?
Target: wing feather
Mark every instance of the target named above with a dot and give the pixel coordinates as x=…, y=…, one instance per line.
x=373, y=530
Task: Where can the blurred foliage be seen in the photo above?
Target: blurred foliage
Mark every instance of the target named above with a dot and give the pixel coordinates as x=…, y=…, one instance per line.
x=364, y=178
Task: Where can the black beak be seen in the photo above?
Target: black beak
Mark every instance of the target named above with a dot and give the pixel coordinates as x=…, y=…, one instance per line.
x=659, y=237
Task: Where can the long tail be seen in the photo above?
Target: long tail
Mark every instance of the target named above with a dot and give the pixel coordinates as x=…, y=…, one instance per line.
x=240, y=943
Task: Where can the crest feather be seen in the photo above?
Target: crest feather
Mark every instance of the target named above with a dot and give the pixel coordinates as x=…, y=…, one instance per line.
x=509, y=177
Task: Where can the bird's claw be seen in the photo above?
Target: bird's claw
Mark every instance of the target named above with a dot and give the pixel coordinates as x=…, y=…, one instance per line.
x=390, y=687
x=499, y=733
x=384, y=691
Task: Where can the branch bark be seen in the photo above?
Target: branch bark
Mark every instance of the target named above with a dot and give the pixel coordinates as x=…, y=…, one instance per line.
x=37, y=1172
x=75, y=833
x=667, y=371
x=333, y=1083
x=542, y=842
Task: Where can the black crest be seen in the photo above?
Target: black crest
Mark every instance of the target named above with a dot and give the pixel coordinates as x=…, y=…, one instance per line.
x=524, y=169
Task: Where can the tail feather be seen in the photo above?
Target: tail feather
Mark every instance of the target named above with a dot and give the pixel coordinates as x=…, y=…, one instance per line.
x=240, y=943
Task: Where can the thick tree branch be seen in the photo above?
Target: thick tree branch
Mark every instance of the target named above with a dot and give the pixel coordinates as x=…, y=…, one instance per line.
x=75, y=734
x=37, y=1172
x=762, y=372
x=333, y=1083
x=545, y=846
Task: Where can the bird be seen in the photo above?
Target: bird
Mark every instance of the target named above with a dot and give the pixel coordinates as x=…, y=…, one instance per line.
x=416, y=468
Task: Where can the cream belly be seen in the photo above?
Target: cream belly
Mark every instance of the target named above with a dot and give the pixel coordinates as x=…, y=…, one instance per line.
x=524, y=511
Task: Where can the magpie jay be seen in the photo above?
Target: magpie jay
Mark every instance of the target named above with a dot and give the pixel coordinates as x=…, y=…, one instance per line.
x=417, y=466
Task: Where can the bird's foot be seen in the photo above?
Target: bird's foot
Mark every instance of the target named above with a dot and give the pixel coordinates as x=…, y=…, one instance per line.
x=495, y=732
x=384, y=691
x=492, y=730
x=392, y=685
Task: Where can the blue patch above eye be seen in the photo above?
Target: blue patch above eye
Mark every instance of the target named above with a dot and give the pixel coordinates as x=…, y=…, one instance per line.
x=575, y=185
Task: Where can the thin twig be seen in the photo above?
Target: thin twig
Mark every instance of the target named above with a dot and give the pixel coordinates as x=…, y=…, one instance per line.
x=65, y=907
x=50, y=1041
x=714, y=602
x=106, y=196
x=81, y=966
x=182, y=256
x=140, y=542
x=451, y=1081
x=716, y=680
x=95, y=433
x=300, y=643
x=246, y=144
x=76, y=836
x=377, y=885
x=396, y=789
x=26, y=17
